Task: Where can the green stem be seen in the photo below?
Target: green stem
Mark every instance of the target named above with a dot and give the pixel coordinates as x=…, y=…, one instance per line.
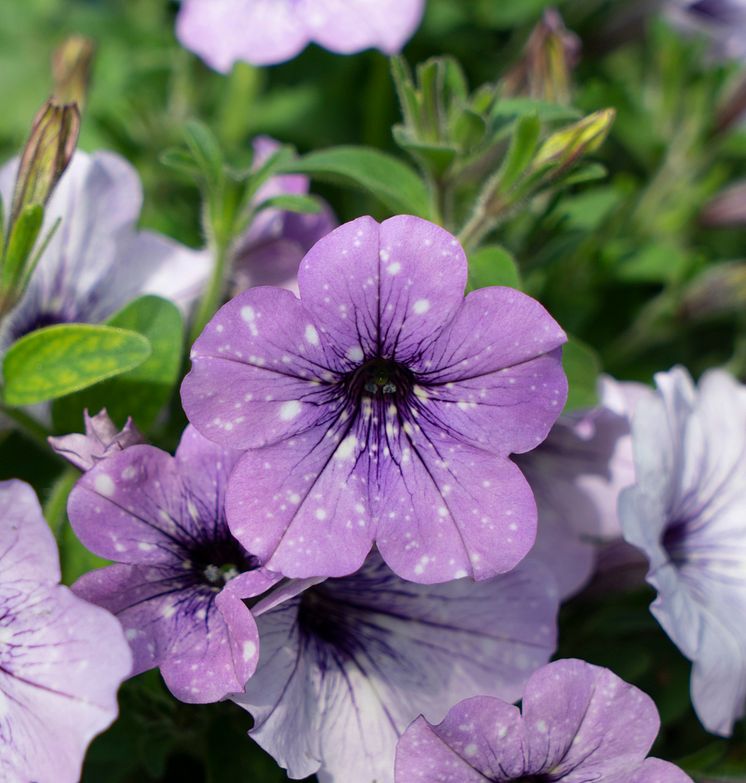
x=213, y=296
x=30, y=426
x=55, y=507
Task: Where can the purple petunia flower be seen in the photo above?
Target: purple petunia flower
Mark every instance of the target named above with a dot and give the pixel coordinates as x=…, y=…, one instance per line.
x=576, y=475
x=264, y=32
x=381, y=406
x=102, y=439
x=346, y=665
x=687, y=513
x=181, y=576
x=270, y=251
x=578, y=722
x=61, y=659
x=97, y=261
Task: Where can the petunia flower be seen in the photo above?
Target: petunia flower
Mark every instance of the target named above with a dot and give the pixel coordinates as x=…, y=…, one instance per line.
x=102, y=439
x=61, y=659
x=381, y=406
x=687, y=513
x=346, y=665
x=97, y=260
x=270, y=251
x=578, y=722
x=576, y=475
x=722, y=22
x=180, y=577
x=265, y=32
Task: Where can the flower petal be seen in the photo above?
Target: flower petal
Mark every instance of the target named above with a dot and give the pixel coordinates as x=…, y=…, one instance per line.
x=479, y=738
x=495, y=375
x=383, y=290
x=347, y=26
x=402, y=649
x=255, y=378
x=447, y=510
x=301, y=506
x=27, y=548
x=261, y=32
x=58, y=689
x=584, y=717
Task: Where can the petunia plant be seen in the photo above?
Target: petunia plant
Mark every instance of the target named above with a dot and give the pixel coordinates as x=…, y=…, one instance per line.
x=334, y=439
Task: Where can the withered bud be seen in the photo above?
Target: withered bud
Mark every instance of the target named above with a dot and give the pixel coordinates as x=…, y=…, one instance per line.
x=71, y=70
x=728, y=208
x=544, y=71
x=102, y=438
x=566, y=146
x=48, y=151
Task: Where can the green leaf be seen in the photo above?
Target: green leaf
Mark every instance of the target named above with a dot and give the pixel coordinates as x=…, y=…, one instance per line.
x=545, y=110
x=292, y=203
x=143, y=391
x=582, y=366
x=23, y=235
x=205, y=150
x=435, y=158
x=394, y=183
x=520, y=153
x=493, y=265
x=59, y=360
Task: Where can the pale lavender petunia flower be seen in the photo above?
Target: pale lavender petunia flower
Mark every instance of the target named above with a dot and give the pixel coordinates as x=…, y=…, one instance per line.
x=265, y=32
x=97, y=261
x=178, y=585
x=687, y=513
x=61, y=659
x=270, y=251
x=381, y=406
x=576, y=475
x=723, y=22
x=346, y=665
x=578, y=722
x=102, y=438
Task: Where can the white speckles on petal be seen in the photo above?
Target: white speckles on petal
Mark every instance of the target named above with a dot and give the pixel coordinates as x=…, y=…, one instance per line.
x=312, y=336
x=421, y=306
x=104, y=484
x=355, y=353
x=289, y=410
x=249, y=651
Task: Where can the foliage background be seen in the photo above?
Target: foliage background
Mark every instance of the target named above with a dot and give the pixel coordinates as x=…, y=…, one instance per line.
x=622, y=263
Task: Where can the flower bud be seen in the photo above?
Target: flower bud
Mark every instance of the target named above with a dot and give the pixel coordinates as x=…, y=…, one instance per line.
x=569, y=144
x=549, y=56
x=728, y=208
x=48, y=151
x=71, y=70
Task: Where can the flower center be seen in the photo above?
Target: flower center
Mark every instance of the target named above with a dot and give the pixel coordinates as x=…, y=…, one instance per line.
x=328, y=624
x=381, y=379
x=215, y=563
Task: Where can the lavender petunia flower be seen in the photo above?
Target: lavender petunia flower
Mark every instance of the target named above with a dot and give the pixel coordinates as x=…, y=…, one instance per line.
x=723, y=22
x=576, y=476
x=272, y=248
x=102, y=439
x=578, y=722
x=687, y=513
x=97, y=260
x=180, y=578
x=265, y=32
x=380, y=407
x=346, y=665
x=61, y=659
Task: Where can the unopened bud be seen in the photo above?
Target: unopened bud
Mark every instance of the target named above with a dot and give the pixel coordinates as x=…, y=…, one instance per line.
x=728, y=208
x=718, y=291
x=71, y=70
x=550, y=54
x=48, y=151
x=568, y=145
